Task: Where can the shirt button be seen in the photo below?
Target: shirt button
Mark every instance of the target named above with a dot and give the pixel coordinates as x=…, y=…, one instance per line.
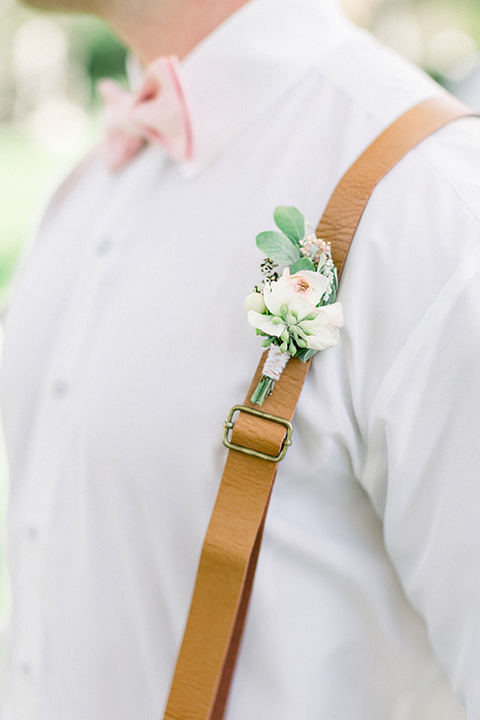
x=103, y=246
x=25, y=669
x=59, y=388
x=32, y=532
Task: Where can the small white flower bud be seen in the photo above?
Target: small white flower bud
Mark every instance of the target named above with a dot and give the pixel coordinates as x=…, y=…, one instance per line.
x=255, y=302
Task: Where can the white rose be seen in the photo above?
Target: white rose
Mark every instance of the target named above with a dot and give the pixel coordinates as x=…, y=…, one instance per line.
x=301, y=292
x=292, y=302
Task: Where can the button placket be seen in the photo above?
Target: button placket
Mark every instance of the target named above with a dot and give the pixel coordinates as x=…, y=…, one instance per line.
x=54, y=419
x=43, y=471
x=77, y=324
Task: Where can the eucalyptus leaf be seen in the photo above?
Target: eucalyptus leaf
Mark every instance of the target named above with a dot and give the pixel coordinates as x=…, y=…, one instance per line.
x=278, y=246
x=321, y=261
x=301, y=264
x=333, y=287
x=305, y=355
x=268, y=341
x=291, y=222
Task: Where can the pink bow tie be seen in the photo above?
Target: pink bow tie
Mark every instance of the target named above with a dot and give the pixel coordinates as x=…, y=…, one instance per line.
x=158, y=113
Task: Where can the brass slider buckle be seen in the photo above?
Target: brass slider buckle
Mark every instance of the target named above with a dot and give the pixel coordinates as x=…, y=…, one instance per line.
x=229, y=423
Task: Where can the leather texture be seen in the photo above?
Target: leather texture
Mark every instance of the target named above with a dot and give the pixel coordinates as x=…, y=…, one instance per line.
x=350, y=197
x=207, y=656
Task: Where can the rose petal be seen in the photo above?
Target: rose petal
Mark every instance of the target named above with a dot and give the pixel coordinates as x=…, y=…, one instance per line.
x=277, y=293
x=264, y=323
x=317, y=283
x=323, y=330
x=282, y=292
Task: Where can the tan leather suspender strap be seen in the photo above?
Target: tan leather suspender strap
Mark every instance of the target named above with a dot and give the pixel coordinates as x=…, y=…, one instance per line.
x=227, y=564
x=346, y=205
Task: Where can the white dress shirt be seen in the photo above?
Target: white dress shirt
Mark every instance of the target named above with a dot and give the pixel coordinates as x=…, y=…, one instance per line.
x=126, y=343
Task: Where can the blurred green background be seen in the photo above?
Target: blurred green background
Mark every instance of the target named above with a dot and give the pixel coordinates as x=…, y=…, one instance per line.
x=49, y=65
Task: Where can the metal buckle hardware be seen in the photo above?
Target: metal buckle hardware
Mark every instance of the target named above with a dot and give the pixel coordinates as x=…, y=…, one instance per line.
x=229, y=423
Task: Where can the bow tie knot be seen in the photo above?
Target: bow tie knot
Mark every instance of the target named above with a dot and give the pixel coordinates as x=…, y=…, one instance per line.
x=157, y=113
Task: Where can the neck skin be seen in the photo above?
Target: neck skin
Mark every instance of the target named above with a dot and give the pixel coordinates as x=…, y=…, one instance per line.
x=151, y=28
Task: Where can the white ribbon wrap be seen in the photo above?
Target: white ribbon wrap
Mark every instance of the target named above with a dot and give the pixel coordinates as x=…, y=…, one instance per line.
x=275, y=362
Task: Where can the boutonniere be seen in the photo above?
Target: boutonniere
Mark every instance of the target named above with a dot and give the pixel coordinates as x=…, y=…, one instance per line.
x=294, y=311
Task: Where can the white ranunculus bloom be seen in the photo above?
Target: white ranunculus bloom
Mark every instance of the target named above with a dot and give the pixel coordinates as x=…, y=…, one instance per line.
x=292, y=302
x=300, y=292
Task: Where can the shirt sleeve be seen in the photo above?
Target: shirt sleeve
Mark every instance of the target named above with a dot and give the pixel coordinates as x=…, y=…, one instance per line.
x=423, y=474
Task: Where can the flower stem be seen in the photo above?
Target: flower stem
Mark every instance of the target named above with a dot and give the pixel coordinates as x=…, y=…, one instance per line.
x=263, y=390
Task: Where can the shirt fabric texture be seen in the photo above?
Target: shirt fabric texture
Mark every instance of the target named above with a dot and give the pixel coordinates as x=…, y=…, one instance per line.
x=126, y=343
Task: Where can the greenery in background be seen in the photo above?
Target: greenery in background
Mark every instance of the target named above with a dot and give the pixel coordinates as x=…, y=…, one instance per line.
x=28, y=173
x=93, y=44
x=459, y=14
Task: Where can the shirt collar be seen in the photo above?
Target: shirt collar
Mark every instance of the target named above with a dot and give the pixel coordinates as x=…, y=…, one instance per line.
x=248, y=63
